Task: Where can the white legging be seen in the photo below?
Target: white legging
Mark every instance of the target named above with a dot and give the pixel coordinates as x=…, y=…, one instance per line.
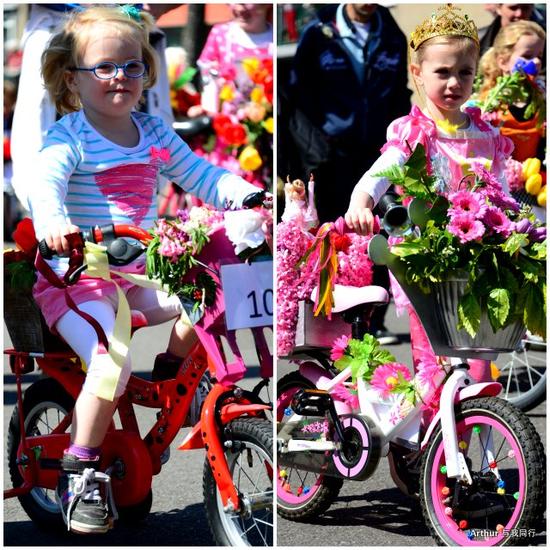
x=157, y=307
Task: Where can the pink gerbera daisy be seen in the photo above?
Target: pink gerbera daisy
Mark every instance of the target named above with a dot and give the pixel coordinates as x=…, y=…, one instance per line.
x=466, y=227
x=339, y=347
x=498, y=221
x=386, y=377
x=467, y=202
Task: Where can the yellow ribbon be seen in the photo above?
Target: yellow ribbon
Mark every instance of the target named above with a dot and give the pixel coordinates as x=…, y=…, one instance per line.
x=95, y=256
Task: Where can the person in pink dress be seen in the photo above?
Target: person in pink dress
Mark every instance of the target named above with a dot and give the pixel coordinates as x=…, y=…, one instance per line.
x=249, y=34
x=444, y=63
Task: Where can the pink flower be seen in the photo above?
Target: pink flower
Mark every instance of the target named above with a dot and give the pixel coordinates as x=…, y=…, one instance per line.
x=498, y=221
x=339, y=347
x=347, y=395
x=485, y=176
x=386, y=377
x=513, y=174
x=467, y=202
x=466, y=227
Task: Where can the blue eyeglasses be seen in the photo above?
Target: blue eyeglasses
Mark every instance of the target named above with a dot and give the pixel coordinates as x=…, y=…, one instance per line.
x=107, y=70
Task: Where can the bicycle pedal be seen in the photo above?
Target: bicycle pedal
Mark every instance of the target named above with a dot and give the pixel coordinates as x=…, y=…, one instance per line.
x=311, y=402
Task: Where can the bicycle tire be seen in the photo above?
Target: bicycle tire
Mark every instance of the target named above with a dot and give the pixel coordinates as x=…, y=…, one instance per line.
x=254, y=436
x=43, y=395
x=515, y=437
x=524, y=357
x=326, y=489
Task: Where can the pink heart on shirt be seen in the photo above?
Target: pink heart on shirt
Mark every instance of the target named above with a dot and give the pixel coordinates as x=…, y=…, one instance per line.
x=131, y=187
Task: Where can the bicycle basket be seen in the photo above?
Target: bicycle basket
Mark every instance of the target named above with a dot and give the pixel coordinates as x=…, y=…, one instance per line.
x=22, y=316
x=317, y=332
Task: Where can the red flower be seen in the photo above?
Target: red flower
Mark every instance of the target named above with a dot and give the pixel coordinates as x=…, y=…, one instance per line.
x=220, y=123
x=25, y=238
x=340, y=242
x=234, y=134
x=268, y=88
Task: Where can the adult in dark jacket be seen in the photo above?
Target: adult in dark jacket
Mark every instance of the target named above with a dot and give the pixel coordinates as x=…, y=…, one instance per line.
x=349, y=81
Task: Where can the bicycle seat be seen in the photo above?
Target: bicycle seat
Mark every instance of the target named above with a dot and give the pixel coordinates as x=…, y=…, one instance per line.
x=346, y=297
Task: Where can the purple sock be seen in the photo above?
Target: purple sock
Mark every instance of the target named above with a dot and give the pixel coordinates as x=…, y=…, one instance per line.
x=84, y=453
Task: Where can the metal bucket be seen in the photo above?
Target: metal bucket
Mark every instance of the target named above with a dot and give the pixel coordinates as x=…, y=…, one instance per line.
x=447, y=296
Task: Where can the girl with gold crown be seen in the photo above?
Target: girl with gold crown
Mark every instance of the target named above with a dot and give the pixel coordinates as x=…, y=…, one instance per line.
x=444, y=59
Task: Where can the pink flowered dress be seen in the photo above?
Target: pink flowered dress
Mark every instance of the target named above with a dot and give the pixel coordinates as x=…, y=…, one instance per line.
x=450, y=155
x=221, y=58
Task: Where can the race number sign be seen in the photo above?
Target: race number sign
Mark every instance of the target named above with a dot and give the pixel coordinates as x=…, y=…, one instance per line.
x=248, y=293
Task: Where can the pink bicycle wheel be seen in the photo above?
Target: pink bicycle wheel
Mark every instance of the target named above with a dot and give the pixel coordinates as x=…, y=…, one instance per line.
x=505, y=459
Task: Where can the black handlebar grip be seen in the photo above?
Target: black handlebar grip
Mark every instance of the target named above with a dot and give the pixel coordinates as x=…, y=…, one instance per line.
x=45, y=250
x=254, y=199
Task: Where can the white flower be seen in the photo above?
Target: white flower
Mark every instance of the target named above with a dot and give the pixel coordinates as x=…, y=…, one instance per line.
x=244, y=229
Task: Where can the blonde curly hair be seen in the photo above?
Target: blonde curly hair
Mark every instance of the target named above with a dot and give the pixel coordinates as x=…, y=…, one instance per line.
x=67, y=47
x=502, y=48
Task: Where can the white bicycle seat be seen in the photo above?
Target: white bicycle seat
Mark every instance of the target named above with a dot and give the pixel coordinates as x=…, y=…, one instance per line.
x=346, y=297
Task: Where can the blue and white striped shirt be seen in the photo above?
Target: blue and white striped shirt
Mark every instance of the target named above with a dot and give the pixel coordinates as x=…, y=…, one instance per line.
x=86, y=180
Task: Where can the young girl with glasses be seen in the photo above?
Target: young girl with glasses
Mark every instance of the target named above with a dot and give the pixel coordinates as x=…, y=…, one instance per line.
x=100, y=164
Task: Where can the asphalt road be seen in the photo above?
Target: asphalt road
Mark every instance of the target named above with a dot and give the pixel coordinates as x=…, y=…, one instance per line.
x=177, y=516
x=375, y=512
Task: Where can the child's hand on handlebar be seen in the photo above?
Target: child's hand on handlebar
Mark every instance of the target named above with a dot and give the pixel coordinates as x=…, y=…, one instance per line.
x=56, y=238
x=359, y=216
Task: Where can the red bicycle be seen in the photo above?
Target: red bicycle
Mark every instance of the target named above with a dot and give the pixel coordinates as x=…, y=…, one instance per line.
x=232, y=425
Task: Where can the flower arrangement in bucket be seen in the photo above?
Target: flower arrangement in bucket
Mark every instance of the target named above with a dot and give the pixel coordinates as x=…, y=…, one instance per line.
x=478, y=235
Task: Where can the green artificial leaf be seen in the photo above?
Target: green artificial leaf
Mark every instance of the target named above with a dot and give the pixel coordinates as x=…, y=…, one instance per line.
x=417, y=160
x=469, y=314
x=498, y=307
x=343, y=363
x=408, y=248
x=394, y=173
x=534, y=313
x=538, y=251
x=514, y=242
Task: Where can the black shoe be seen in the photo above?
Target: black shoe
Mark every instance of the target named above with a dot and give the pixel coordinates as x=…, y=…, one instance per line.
x=79, y=498
x=385, y=337
x=166, y=367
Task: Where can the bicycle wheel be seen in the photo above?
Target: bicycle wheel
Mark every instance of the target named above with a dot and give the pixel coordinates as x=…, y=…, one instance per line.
x=523, y=375
x=300, y=494
x=250, y=460
x=505, y=457
x=45, y=404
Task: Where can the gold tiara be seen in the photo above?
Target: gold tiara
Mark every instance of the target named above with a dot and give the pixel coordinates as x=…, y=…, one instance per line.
x=448, y=21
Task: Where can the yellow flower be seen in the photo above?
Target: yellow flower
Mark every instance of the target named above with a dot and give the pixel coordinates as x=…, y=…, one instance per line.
x=256, y=95
x=268, y=124
x=251, y=65
x=227, y=93
x=250, y=159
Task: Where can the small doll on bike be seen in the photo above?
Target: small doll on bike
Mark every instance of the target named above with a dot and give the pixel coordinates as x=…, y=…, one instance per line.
x=444, y=60
x=100, y=163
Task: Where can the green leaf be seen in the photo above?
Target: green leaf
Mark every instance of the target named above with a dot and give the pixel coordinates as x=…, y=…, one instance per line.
x=534, y=313
x=498, y=307
x=469, y=314
x=394, y=173
x=514, y=242
x=408, y=248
